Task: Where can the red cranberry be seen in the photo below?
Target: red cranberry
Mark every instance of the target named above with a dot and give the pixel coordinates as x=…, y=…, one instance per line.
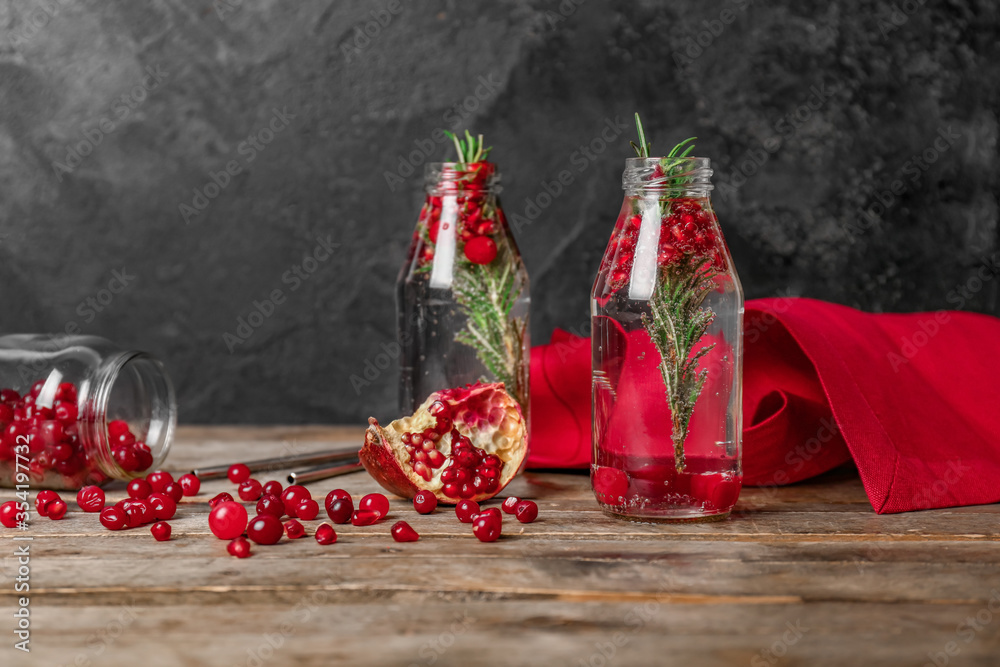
x=272, y=506
x=11, y=514
x=293, y=496
x=124, y=440
x=174, y=490
x=42, y=501
x=294, y=529
x=56, y=509
x=90, y=499
x=66, y=413
x=486, y=527
x=143, y=457
x=509, y=504
x=66, y=392
x=375, y=502
x=307, y=509
x=163, y=506
x=160, y=531
x=425, y=502
x=341, y=510
x=117, y=428
x=113, y=518
x=239, y=548
x=139, y=488
x=221, y=498
x=9, y=396
x=364, y=518
x=238, y=473
x=250, y=490
x=527, y=511
x=190, y=485
x=273, y=488
x=137, y=512
x=227, y=520
x=265, y=529
x=126, y=458
x=325, y=534
x=159, y=479
x=465, y=510
x=403, y=532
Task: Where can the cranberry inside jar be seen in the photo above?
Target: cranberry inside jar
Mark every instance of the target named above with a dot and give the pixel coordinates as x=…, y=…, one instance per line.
x=78, y=411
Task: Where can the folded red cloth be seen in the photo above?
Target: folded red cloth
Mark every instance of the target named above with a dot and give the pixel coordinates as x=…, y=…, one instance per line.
x=914, y=399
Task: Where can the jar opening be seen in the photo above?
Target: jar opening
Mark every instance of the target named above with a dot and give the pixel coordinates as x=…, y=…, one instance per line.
x=441, y=178
x=690, y=176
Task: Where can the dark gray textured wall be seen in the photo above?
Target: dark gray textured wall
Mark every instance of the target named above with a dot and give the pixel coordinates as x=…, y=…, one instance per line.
x=849, y=97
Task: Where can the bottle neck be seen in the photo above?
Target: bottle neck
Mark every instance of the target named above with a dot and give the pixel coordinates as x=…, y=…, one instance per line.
x=461, y=179
x=667, y=178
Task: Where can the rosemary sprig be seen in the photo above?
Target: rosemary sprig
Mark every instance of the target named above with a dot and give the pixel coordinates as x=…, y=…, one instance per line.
x=471, y=149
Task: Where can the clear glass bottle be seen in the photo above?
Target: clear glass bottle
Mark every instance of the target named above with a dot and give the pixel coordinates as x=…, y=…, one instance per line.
x=667, y=327
x=78, y=410
x=462, y=295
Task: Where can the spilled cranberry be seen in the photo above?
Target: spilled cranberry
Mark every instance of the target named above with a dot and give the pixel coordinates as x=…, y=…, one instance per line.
x=364, y=517
x=56, y=509
x=307, y=509
x=162, y=506
x=137, y=512
x=294, y=529
x=527, y=511
x=238, y=473
x=265, y=529
x=174, y=490
x=190, y=485
x=160, y=531
x=159, y=479
x=487, y=526
x=375, y=502
x=250, y=490
x=227, y=520
x=113, y=518
x=293, y=496
x=9, y=513
x=425, y=502
x=42, y=501
x=90, y=498
x=239, y=547
x=271, y=505
x=273, y=488
x=139, y=488
x=465, y=510
x=325, y=534
x=403, y=532
x=341, y=510
x=509, y=504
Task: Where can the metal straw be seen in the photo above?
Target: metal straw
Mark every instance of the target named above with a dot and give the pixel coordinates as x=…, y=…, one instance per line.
x=323, y=472
x=281, y=462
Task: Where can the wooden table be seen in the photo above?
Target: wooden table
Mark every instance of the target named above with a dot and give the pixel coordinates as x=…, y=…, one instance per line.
x=807, y=575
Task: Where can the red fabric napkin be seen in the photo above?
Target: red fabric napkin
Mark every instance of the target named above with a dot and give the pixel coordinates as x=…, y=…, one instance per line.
x=914, y=399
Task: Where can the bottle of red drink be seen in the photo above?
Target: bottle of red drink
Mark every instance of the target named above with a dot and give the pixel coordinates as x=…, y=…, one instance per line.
x=667, y=326
x=462, y=296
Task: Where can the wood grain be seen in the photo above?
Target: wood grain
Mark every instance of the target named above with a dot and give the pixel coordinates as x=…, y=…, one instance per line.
x=804, y=575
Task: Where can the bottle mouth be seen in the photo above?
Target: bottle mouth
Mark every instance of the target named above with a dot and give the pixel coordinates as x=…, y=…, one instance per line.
x=441, y=178
x=690, y=175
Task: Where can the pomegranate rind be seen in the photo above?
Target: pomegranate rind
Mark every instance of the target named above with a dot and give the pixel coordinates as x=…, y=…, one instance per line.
x=501, y=431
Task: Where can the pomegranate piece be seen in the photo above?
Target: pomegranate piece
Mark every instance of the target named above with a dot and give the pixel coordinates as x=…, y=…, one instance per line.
x=56, y=509
x=509, y=504
x=465, y=443
x=239, y=547
x=113, y=518
x=293, y=497
x=159, y=479
x=466, y=510
x=238, y=473
x=139, y=489
x=250, y=490
x=364, y=518
x=375, y=502
x=307, y=509
x=43, y=499
x=294, y=529
x=526, y=511
x=271, y=505
x=265, y=529
x=160, y=531
x=90, y=498
x=221, y=498
x=341, y=510
x=425, y=502
x=487, y=526
x=162, y=506
x=190, y=485
x=325, y=534
x=273, y=488
x=403, y=532
x=228, y=520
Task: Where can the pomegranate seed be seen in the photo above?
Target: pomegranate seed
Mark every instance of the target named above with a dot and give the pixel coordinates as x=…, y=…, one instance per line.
x=90, y=499
x=293, y=496
x=271, y=505
x=307, y=509
x=137, y=512
x=325, y=534
x=9, y=512
x=273, y=488
x=265, y=529
x=238, y=473
x=159, y=479
x=143, y=457
x=174, y=490
x=221, y=498
x=160, y=531
x=402, y=532
x=375, y=502
x=526, y=511
x=364, y=518
x=190, y=485
x=425, y=502
x=126, y=458
x=125, y=439
x=294, y=529
x=491, y=511
x=113, y=518
x=336, y=494
x=486, y=527
x=341, y=510
x=42, y=501
x=465, y=510
x=162, y=506
x=56, y=509
x=250, y=490
x=227, y=520
x=239, y=547
x=139, y=488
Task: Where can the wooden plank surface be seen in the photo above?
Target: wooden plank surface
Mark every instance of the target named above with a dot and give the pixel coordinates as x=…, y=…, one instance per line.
x=805, y=575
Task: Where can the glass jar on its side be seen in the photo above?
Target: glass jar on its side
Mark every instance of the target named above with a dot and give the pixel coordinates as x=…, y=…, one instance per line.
x=78, y=410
